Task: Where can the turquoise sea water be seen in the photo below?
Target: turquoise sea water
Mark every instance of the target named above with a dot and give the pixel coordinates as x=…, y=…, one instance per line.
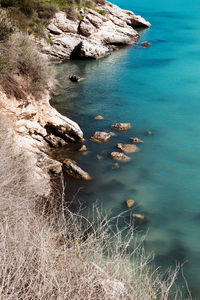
x=157, y=89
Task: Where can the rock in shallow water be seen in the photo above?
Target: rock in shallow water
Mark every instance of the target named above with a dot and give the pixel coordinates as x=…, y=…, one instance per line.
x=122, y=126
x=120, y=156
x=99, y=117
x=101, y=136
x=71, y=168
x=128, y=148
x=130, y=203
x=136, y=140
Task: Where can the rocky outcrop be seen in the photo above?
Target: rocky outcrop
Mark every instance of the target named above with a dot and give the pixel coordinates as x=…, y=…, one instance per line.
x=37, y=128
x=94, y=35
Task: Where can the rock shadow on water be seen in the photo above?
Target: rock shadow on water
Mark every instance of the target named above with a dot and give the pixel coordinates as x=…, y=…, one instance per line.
x=177, y=254
x=155, y=62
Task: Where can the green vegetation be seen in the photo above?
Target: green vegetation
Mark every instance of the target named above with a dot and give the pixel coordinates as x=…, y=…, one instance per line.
x=26, y=12
x=48, y=252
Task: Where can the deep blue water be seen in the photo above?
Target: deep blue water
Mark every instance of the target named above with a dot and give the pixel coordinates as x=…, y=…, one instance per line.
x=157, y=89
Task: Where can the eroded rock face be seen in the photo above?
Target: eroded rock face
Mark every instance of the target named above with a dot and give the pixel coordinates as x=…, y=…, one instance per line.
x=120, y=156
x=128, y=148
x=37, y=128
x=94, y=36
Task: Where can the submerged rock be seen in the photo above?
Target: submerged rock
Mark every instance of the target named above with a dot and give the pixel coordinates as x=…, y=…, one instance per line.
x=101, y=136
x=128, y=148
x=145, y=44
x=75, y=78
x=72, y=169
x=116, y=166
x=99, y=117
x=120, y=156
x=99, y=157
x=122, y=126
x=130, y=203
x=136, y=140
x=149, y=132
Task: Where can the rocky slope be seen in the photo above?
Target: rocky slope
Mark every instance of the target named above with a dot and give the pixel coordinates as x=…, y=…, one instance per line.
x=95, y=34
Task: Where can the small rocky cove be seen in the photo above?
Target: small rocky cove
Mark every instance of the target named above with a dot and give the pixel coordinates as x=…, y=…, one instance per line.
x=38, y=128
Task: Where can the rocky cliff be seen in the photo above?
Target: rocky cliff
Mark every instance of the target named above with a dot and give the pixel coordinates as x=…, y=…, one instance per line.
x=95, y=34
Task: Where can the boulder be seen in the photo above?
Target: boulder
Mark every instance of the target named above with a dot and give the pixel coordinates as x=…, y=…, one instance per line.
x=101, y=136
x=90, y=49
x=122, y=126
x=130, y=203
x=72, y=169
x=136, y=140
x=128, y=148
x=120, y=156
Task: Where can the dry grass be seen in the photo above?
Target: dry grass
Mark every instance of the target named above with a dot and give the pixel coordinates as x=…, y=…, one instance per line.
x=62, y=255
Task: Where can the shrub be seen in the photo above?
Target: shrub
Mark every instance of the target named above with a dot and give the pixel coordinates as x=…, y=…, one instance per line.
x=6, y=26
x=20, y=55
x=45, y=10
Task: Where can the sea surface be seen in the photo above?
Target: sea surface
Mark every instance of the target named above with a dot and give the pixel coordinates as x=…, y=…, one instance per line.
x=157, y=89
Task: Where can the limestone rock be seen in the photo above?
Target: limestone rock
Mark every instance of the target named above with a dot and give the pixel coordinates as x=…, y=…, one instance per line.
x=128, y=148
x=130, y=203
x=94, y=36
x=86, y=27
x=54, y=29
x=101, y=136
x=75, y=171
x=136, y=140
x=120, y=156
x=89, y=49
x=64, y=24
x=122, y=126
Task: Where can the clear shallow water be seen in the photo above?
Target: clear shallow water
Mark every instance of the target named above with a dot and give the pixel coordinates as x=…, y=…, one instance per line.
x=155, y=89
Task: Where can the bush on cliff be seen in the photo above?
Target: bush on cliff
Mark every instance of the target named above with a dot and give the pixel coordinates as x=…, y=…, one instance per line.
x=22, y=64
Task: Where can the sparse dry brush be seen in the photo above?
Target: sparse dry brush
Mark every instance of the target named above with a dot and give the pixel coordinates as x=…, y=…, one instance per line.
x=20, y=57
x=58, y=254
